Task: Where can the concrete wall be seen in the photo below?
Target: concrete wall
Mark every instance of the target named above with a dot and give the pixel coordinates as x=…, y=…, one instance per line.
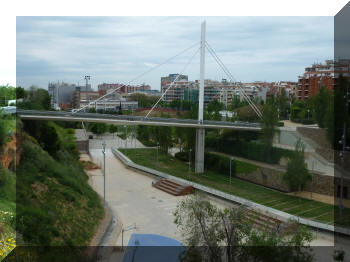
x=83, y=145
x=266, y=177
x=289, y=139
x=321, y=184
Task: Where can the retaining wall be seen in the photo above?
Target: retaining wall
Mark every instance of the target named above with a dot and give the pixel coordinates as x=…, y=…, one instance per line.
x=252, y=205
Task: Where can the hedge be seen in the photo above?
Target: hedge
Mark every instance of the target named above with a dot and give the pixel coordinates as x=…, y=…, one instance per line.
x=250, y=150
x=304, y=121
x=212, y=162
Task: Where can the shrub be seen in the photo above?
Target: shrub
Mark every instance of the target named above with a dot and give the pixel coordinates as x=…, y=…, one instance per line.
x=213, y=162
x=7, y=185
x=219, y=163
x=71, y=131
x=250, y=150
x=280, y=124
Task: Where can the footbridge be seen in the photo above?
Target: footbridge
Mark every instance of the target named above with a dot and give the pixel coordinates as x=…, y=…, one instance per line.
x=134, y=120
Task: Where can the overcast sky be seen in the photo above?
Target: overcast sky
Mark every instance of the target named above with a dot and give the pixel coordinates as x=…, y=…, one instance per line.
x=116, y=49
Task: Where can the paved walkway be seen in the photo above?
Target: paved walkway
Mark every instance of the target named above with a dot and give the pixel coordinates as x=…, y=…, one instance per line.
x=133, y=198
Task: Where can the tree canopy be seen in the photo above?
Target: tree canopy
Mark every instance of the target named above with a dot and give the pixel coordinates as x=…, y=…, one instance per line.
x=215, y=234
x=297, y=174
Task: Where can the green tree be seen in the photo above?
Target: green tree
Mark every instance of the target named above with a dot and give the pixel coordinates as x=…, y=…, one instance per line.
x=20, y=92
x=36, y=99
x=176, y=104
x=340, y=114
x=163, y=135
x=98, y=128
x=282, y=104
x=269, y=124
x=7, y=93
x=297, y=174
x=3, y=131
x=113, y=129
x=320, y=103
x=144, y=100
x=214, y=234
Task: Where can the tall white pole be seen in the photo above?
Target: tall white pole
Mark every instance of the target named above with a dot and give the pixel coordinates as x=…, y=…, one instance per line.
x=202, y=72
x=104, y=171
x=200, y=132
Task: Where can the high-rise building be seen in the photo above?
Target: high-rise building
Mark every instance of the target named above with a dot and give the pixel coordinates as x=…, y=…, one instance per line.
x=62, y=94
x=176, y=91
x=120, y=88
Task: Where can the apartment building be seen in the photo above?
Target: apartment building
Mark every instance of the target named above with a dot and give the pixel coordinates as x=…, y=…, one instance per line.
x=319, y=74
x=128, y=89
x=62, y=94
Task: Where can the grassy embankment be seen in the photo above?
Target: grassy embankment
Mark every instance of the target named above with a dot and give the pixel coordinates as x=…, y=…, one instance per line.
x=294, y=205
x=55, y=206
x=7, y=190
x=53, y=192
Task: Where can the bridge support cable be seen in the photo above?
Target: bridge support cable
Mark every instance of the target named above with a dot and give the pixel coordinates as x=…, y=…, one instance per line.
x=227, y=72
x=172, y=83
x=82, y=123
x=223, y=67
x=137, y=77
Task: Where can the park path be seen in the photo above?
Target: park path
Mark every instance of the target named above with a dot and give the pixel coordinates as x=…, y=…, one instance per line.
x=133, y=199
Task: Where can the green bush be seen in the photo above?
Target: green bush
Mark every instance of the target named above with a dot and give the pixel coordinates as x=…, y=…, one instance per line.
x=250, y=150
x=54, y=194
x=71, y=131
x=7, y=185
x=148, y=142
x=280, y=124
x=122, y=136
x=219, y=163
x=183, y=156
x=212, y=162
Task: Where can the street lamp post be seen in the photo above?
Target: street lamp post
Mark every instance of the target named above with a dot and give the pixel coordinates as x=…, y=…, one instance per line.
x=127, y=229
x=312, y=178
x=104, y=171
x=125, y=136
x=231, y=159
x=342, y=154
x=157, y=151
x=189, y=163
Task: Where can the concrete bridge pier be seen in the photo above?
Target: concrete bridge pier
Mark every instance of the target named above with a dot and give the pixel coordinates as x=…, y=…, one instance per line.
x=200, y=132
x=200, y=142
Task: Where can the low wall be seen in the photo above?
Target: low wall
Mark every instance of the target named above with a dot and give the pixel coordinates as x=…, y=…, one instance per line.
x=266, y=177
x=83, y=145
x=255, y=206
x=321, y=184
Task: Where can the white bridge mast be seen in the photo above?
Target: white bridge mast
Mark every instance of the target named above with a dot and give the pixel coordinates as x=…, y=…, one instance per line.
x=200, y=132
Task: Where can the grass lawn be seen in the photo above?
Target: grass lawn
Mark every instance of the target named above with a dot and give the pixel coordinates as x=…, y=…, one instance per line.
x=7, y=231
x=310, y=209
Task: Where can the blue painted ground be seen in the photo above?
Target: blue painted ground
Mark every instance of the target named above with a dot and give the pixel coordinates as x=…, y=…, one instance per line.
x=153, y=248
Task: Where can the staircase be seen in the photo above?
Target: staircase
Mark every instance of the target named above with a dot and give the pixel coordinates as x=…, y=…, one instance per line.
x=172, y=187
x=266, y=223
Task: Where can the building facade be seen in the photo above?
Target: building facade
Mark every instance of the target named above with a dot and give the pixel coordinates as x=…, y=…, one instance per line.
x=321, y=74
x=62, y=94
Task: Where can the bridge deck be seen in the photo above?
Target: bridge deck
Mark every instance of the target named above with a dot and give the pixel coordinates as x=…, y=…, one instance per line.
x=134, y=120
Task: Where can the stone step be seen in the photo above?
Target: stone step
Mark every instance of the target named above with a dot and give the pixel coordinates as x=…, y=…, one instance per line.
x=173, y=187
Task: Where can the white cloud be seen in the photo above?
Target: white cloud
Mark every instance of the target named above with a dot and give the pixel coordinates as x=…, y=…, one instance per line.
x=115, y=49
